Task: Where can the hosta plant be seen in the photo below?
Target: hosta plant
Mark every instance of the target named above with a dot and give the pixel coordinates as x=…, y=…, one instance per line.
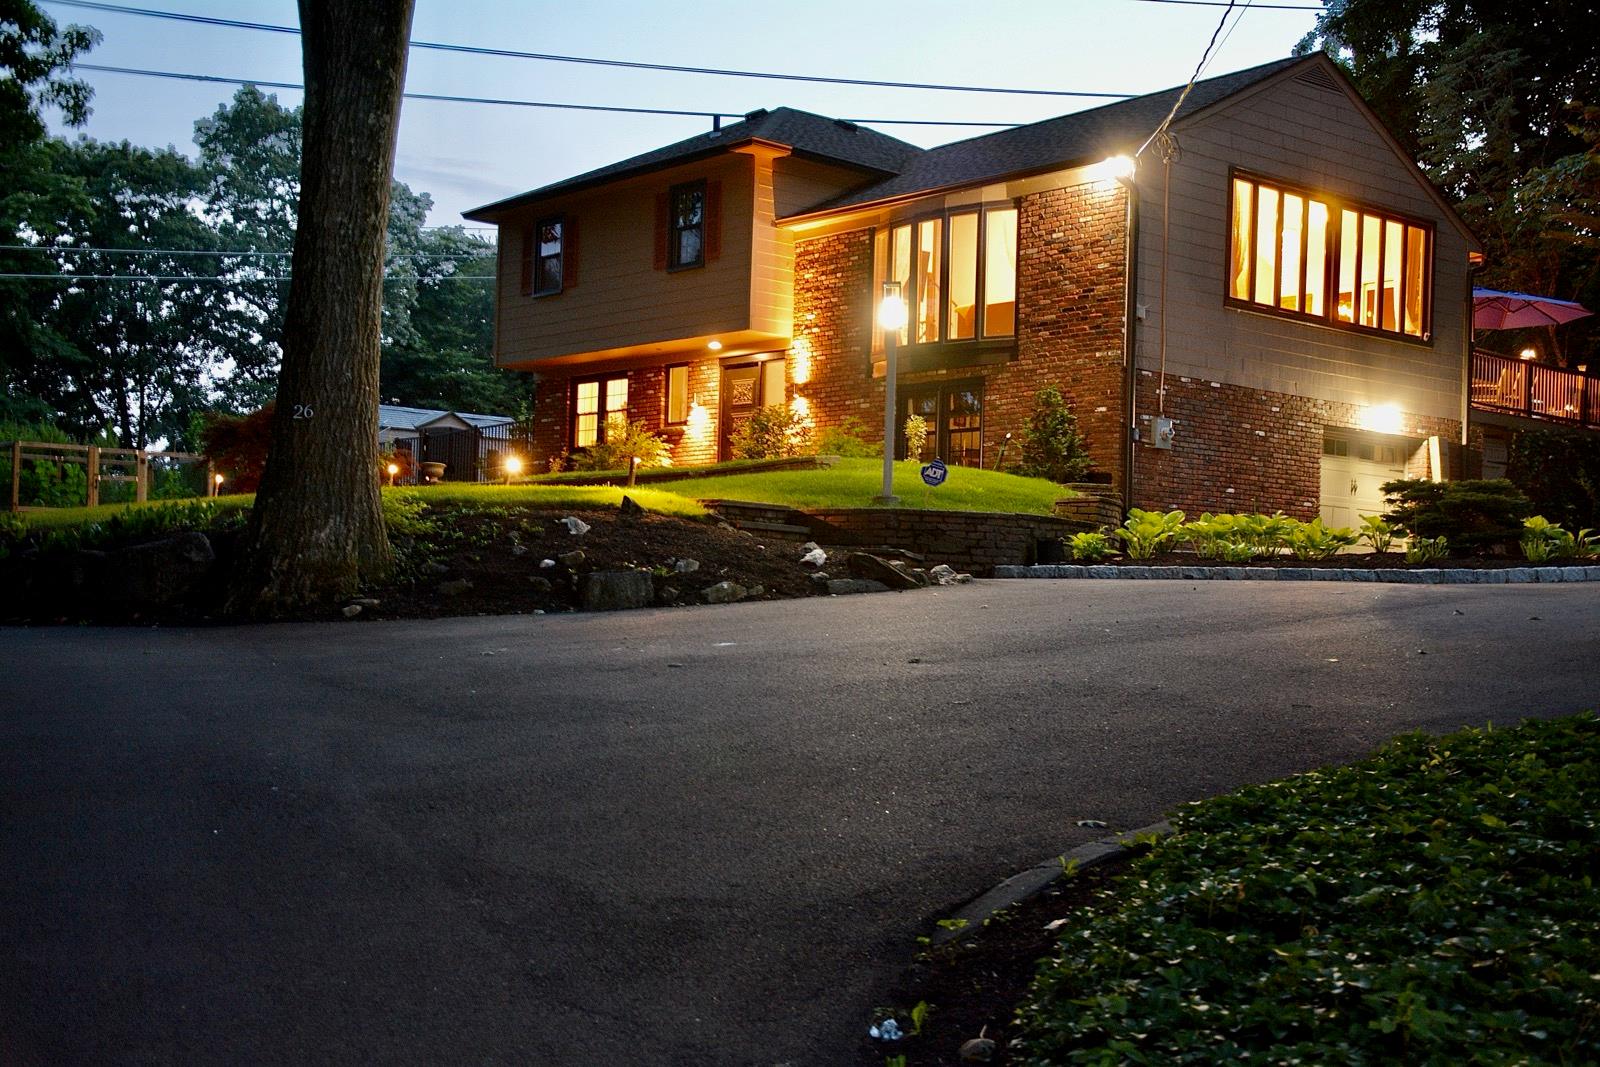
x=1089, y=547
x=1427, y=549
x=1235, y=551
x=1312, y=540
x=1377, y=532
x=1147, y=532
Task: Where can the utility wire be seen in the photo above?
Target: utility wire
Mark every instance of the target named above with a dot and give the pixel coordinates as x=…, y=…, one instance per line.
x=1205, y=57
x=479, y=50
x=220, y=278
x=182, y=76
x=1190, y=3
x=488, y=253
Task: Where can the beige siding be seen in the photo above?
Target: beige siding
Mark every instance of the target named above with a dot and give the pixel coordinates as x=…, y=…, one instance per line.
x=801, y=184
x=771, y=260
x=1320, y=139
x=620, y=299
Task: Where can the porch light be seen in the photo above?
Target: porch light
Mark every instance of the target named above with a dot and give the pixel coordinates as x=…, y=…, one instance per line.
x=715, y=346
x=1120, y=168
x=800, y=361
x=1528, y=353
x=698, y=428
x=892, y=317
x=1382, y=418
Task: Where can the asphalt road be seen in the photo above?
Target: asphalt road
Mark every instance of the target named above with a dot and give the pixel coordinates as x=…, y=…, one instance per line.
x=704, y=836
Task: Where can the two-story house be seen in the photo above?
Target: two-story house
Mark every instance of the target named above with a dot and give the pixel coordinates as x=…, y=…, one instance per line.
x=1270, y=309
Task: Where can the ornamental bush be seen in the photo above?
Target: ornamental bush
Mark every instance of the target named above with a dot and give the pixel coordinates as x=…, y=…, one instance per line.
x=620, y=446
x=1474, y=515
x=1433, y=905
x=1052, y=447
x=772, y=432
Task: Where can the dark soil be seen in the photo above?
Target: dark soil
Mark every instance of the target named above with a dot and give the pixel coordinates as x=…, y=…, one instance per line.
x=973, y=984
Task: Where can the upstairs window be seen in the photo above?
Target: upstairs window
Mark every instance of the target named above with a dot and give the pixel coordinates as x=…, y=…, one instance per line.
x=959, y=273
x=687, y=242
x=547, y=257
x=1369, y=270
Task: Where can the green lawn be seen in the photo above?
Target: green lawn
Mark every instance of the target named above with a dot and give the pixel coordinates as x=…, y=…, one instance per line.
x=853, y=483
x=60, y=518
x=573, y=497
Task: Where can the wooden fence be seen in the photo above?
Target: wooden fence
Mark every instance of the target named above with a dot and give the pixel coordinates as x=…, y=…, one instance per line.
x=113, y=466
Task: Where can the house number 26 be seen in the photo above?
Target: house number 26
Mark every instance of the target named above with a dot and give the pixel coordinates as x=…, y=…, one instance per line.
x=303, y=411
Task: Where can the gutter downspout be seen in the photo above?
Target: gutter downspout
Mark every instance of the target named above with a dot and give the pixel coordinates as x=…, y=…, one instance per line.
x=1130, y=336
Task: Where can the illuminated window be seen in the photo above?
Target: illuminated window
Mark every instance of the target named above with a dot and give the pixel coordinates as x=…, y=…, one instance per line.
x=1285, y=252
x=958, y=272
x=678, y=394
x=686, y=246
x=954, y=414
x=599, y=409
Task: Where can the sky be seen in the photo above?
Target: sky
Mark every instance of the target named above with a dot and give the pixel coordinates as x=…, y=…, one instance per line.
x=466, y=155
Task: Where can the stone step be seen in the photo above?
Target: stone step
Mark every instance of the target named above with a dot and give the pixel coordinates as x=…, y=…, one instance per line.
x=788, y=529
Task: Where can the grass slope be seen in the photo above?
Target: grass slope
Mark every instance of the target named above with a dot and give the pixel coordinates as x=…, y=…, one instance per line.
x=853, y=483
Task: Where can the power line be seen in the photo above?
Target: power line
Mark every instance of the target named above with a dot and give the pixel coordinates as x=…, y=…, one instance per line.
x=486, y=254
x=508, y=53
x=219, y=278
x=182, y=76
x=1185, y=3
x=1205, y=57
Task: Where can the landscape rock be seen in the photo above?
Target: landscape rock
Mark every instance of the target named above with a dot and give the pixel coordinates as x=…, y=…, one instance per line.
x=539, y=585
x=615, y=590
x=820, y=579
x=434, y=568
x=755, y=591
x=366, y=602
x=686, y=566
x=155, y=574
x=629, y=508
x=845, y=586
x=875, y=569
x=943, y=574
x=519, y=549
x=723, y=593
x=546, y=564
x=963, y=578
x=575, y=526
x=350, y=611
x=667, y=594
x=455, y=588
x=815, y=558
x=977, y=1050
x=573, y=560
x=808, y=548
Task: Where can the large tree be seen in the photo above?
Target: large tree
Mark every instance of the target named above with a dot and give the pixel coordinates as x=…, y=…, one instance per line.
x=317, y=525
x=1500, y=103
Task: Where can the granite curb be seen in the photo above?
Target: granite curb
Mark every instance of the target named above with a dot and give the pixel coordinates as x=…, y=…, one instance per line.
x=1395, y=576
x=1033, y=881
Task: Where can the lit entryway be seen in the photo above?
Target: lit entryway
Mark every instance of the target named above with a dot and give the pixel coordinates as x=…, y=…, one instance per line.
x=1354, y=468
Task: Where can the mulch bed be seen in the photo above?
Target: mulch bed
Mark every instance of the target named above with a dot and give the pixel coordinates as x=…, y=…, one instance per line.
x=973, y=984
x=1345, y=561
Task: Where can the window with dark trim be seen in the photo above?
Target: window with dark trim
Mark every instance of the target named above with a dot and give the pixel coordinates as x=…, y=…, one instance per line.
x=687, y=226
x=959, y=273
x=1311, y=256
x=954, y=414
x=599, y=408
x=677, y=394
x=547, y=257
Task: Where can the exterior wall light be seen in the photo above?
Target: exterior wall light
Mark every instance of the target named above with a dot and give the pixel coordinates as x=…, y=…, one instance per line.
x=1528, y=353
x=1119, y=168
x=800, y=361
x=714, y=346
x=1382, y=418
x=892, y=317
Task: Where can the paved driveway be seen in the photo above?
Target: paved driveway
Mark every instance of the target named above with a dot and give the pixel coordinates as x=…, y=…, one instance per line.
x=665, y=837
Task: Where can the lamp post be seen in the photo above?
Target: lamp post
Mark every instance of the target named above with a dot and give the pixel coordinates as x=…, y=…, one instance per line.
x=513, y=467
x=892, y=317
x=393, y=469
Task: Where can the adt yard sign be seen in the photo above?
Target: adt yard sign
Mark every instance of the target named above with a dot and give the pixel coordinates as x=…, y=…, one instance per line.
x=935, y=473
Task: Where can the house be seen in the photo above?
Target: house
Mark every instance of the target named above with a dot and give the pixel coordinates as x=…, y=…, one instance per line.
x=1269, y=310
x=470, y=445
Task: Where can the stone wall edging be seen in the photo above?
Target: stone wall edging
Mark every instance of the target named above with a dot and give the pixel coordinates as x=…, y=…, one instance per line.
x=1423, y=576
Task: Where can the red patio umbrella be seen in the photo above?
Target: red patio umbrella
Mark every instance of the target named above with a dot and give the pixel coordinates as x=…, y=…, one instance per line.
x=1495, y=310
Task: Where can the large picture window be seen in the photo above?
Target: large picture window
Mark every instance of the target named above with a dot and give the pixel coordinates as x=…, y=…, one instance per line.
x=599, y=409
x=959, y=272
x=1307, y=255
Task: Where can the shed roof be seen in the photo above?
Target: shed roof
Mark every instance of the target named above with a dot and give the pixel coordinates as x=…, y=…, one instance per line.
x=398, y=417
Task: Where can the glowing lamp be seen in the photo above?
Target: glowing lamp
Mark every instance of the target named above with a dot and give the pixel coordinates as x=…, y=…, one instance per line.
x=715, y=346
x=1382, y=418
x=1120, y=168
x=1528, y=353
x=892, y=309
x=514, y=464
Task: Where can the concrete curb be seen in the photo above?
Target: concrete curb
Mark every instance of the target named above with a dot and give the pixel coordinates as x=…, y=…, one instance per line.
x=1033, y=881
x=1425, y=576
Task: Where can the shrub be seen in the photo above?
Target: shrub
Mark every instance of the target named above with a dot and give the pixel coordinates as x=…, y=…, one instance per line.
x=916, y=431
x=1147, y=532
x=846, y=439
x=1378, y=534
x=1560, y=474
x=1431, y=905
x=772, y=432
x=1473, y=515
x=1089, y=547
x=1312, y=540
x=636, y=439
x=237, y=446
x=1052, y=448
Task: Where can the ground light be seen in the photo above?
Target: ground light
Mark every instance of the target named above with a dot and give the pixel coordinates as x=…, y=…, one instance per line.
x=513, y=467
x=216, y=484
x=892, y=317
x=393, y=469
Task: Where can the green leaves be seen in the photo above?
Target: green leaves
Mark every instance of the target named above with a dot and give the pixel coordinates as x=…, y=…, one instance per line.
x=1432, y=904
x=1146, y=532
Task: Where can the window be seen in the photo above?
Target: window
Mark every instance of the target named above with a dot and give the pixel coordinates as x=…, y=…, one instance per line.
x=678, y=394
x=959, y=272
x=954, y=414
x=599, y=407
x=1286, y=252
x=687, y=223
x=547, y=257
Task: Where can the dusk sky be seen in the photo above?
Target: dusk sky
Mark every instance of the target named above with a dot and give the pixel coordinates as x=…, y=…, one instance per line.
x=469, y=154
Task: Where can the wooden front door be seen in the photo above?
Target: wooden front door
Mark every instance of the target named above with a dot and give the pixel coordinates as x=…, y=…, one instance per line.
x=741, y=397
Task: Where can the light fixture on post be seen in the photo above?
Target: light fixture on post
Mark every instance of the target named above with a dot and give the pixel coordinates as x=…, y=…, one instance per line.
x=892, y=318
x=393, y=469
x=216, y=485
x=513, y=467
x=1529, y=354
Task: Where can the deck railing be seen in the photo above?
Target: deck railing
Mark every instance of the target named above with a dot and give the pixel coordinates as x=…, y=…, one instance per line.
x=1518, y=387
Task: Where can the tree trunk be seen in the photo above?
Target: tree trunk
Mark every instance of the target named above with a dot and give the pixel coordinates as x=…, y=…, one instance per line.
x=317, y=527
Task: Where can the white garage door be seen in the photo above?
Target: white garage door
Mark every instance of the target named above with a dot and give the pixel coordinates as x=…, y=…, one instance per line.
x=1354, y=468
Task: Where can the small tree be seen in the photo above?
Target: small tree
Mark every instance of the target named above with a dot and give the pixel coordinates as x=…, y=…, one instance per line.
x=621, y=445
x=916, y=429
x=771, y=432
x=1051, y=445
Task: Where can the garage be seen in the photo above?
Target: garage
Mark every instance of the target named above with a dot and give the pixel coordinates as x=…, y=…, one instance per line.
x=1354, y=468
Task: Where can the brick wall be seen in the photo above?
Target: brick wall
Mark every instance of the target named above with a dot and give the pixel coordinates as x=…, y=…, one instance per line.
x=1238, y=449
x=833, y=331
x=647, y=403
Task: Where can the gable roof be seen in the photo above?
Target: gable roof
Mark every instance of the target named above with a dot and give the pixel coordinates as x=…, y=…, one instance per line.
x=1081, y=137
x=399, y=417
x=805, y=134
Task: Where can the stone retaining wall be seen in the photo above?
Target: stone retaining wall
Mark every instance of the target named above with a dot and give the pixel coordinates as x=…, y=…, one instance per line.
x=1393, y=576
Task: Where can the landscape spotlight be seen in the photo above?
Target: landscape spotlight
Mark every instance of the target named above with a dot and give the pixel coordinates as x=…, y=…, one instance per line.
x=513, y=467
x=393, y=468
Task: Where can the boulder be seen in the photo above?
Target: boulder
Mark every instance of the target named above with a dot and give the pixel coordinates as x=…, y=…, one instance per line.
x=844, y=586
x=573, y=560
x=723, y=593
x=615, y=590
x=815, y=558
x=539, y=585
x=876, y=569
x=155, y=574
x=629, y=508
x=685, y=566
x=455, y=588
x=977, y=1050
x=350, y=611
x=809, y=547
x=943, y=574
x=575, y=526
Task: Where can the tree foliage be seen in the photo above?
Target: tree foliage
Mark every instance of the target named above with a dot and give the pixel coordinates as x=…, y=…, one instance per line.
x=1052, y=447
x=1500, y=104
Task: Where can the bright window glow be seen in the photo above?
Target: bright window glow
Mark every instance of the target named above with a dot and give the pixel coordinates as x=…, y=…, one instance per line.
x=1382, y=418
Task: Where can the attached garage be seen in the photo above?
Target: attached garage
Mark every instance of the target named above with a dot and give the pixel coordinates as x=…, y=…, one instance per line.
x=1354, y=468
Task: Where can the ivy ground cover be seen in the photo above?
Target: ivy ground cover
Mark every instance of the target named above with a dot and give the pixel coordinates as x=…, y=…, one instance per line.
x=1434, y=904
